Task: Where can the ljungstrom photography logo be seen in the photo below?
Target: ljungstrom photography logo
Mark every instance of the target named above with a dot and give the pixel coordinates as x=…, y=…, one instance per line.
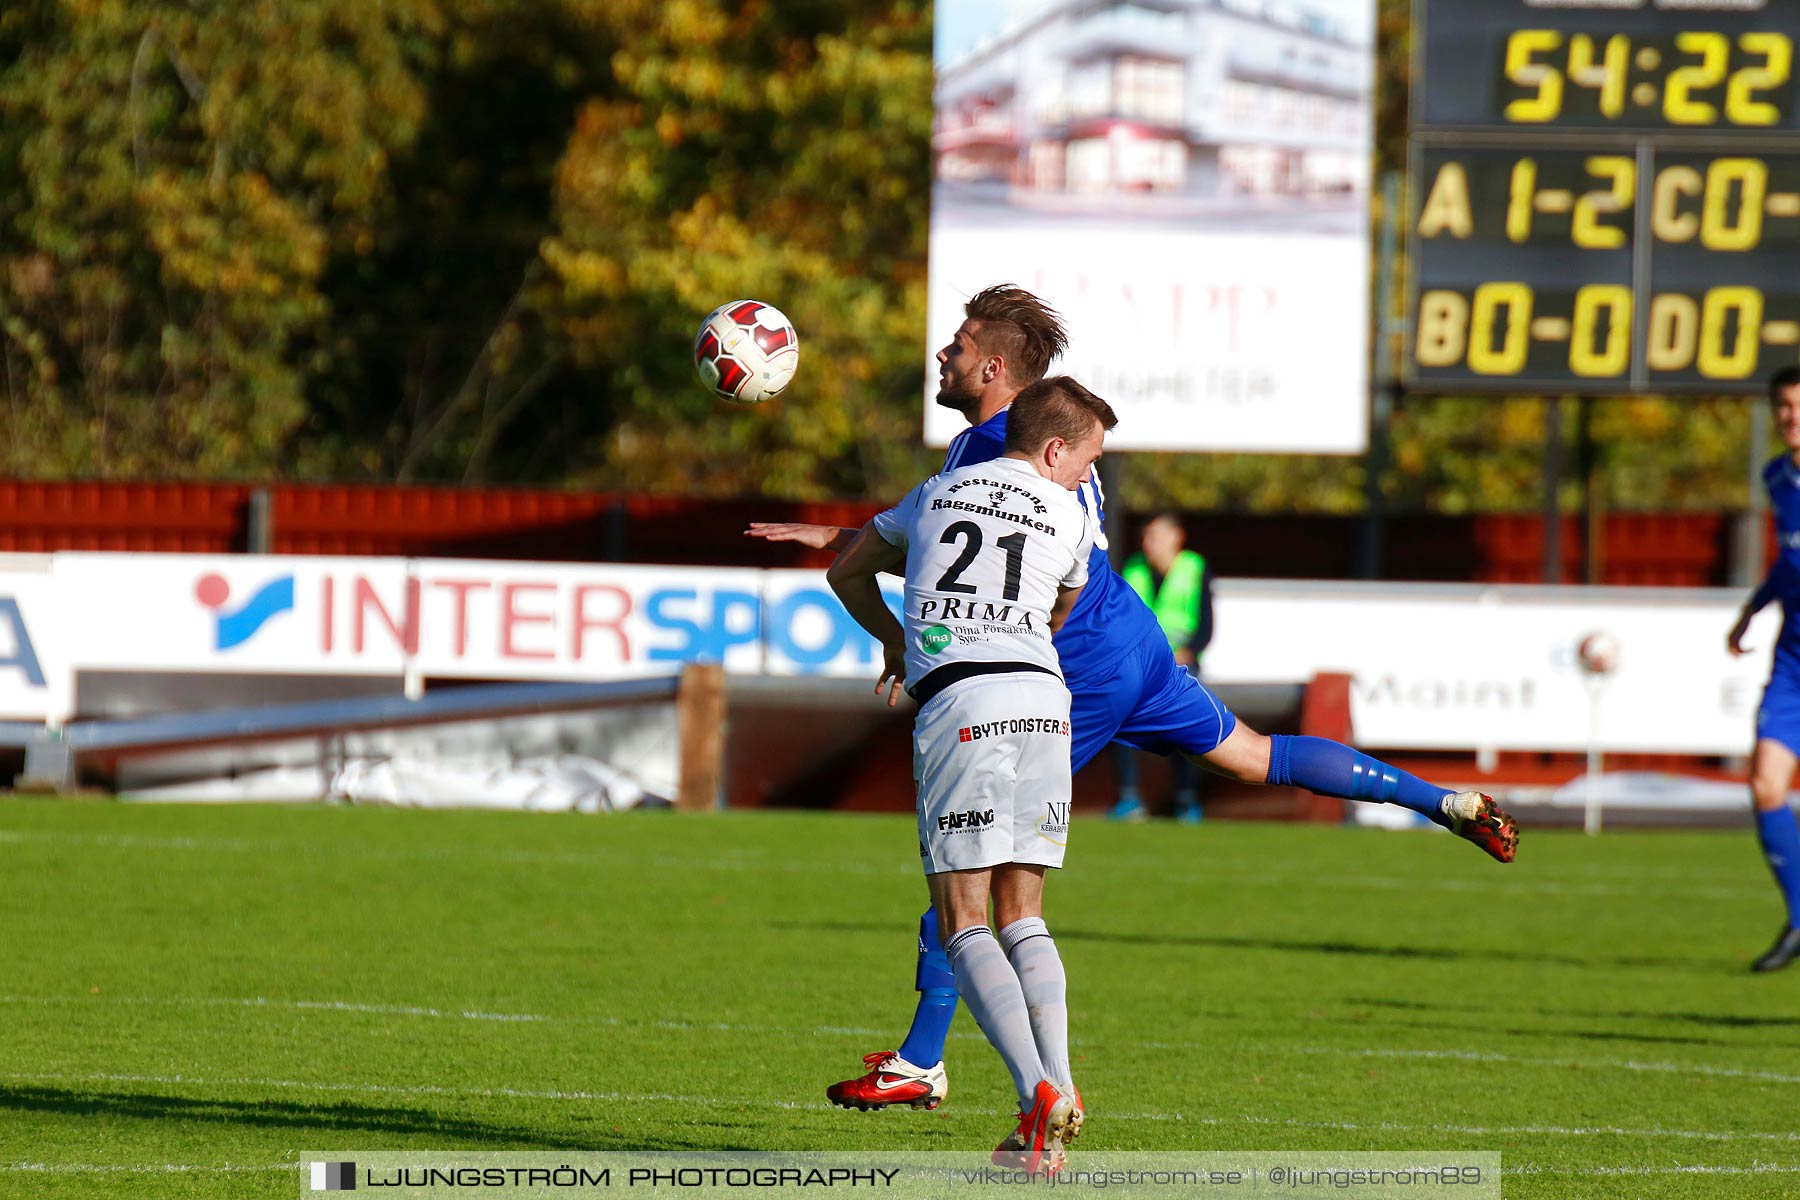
x=334, y=1177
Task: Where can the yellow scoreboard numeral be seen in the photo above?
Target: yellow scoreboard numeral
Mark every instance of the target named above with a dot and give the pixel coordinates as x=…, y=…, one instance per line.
x=1716, y=362
x=1608, y=74
x=1586, y=228
x=1509, y=358
x=1744, y=231
x=1679, y=104
x=1778, y=65
x=1612, y=357
x=1443, y=329
x=1667, y=220
x=1674, y=332
x=1521, y=199
x=1546, y=81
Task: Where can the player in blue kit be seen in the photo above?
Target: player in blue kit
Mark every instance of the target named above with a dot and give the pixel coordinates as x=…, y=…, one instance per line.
x=1778, y=719
x=1125, y=683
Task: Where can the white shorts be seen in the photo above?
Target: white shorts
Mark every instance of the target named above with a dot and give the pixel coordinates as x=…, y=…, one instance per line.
x=991, y=758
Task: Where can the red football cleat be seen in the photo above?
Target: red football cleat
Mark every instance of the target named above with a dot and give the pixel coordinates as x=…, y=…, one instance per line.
x=1037, y=1144
x=1478, y=819
x=1076, y=1117
x=892, y=1080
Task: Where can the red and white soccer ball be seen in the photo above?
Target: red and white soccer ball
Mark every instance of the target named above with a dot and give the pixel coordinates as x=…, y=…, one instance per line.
x=746, y=351
x=1598, y=653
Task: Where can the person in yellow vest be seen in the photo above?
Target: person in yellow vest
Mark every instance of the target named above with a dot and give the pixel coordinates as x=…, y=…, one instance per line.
x=1176, y=585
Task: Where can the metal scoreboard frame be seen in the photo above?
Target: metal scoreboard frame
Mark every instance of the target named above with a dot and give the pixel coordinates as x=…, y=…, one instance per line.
x=1605, y=196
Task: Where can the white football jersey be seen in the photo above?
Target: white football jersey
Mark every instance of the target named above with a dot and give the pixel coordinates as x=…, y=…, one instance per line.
x=987, y=549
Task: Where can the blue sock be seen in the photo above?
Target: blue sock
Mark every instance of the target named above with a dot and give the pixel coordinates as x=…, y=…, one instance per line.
x=1779, y=834
x=1334, y=769
x=924, y=1045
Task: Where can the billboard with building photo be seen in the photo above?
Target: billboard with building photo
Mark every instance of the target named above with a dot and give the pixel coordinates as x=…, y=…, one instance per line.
x=1188, y=182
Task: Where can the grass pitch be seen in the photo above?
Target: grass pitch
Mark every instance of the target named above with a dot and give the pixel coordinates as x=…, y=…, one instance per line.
x=193, y=995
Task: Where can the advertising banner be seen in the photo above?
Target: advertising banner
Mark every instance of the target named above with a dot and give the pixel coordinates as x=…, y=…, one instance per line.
x=1470, y=667
x=237, y=613
x=502, y=620
x=1188, y=183
x=807, y=632
x=33, y=674
x=1459, y=667
x=474, y=619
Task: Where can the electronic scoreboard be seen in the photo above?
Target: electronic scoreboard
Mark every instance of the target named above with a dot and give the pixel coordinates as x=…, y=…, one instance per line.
x=1605, y=195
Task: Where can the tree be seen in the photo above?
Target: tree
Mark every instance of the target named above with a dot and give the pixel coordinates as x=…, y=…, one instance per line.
x=439, y=363
x=172, y=186
x=470, y=240
x=775, y=151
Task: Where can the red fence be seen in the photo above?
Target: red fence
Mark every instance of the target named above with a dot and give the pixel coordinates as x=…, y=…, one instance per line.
x=1637, y=549
x=216, y=518
x=1687, y=549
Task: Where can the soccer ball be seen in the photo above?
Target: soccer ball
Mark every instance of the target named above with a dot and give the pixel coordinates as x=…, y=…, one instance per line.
x=1599, y=653
x=746, y=351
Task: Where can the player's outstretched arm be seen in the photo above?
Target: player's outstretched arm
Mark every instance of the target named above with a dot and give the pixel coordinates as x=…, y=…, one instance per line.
x=818, y=537
x=852, y=575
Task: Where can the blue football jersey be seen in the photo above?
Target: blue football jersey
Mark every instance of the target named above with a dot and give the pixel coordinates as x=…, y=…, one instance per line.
x=1782, y=479
x=1110, y=618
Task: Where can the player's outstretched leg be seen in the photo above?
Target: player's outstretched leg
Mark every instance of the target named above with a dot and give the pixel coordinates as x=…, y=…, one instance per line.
x=1334, y=769
x=1182, y=715
x=902, y=1076
x=1771, y=774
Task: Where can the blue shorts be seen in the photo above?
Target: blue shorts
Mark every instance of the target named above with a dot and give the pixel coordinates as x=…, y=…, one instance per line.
x=1777, y=718
x=1150, y=702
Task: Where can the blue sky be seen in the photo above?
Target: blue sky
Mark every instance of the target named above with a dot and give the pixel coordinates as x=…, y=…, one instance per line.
x=962, y=23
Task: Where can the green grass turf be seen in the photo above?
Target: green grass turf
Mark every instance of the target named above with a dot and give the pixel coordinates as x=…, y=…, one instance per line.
x=225, y=987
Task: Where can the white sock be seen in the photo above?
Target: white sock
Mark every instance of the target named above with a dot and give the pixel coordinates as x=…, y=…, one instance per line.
x=1032, y=952
x=997, y=1002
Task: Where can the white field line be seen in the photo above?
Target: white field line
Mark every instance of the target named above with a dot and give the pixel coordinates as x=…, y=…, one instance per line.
x=1673, y=1169
x=412, y=1010
x=755, y=860
x=1711, y=1135
x=1532, y=887
x=139, y=842
x=344, y=1006
x=416, y=1010
x=1616, y=1064
x=725, y=861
